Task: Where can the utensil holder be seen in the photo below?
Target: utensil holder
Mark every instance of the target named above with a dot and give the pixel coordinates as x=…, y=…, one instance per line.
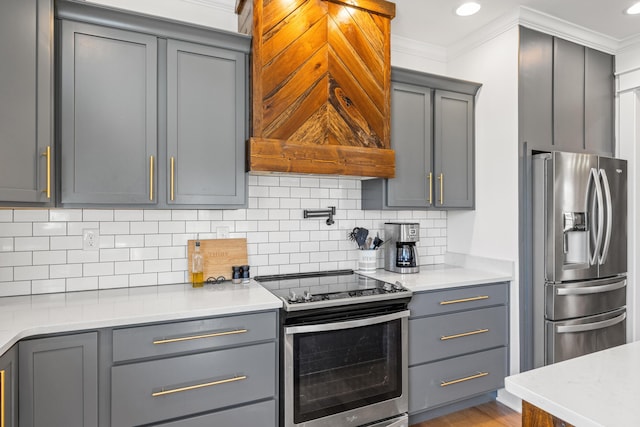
x=367, y=260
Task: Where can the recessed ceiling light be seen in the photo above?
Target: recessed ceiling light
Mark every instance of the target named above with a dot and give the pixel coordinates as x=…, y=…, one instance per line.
x=633, y=10
x=468, y=9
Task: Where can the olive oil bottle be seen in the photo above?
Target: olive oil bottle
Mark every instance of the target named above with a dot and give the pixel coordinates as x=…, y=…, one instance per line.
x=197, y=267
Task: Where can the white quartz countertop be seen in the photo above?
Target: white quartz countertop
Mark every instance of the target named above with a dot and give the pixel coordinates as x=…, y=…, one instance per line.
x=599, y=389
x=25, y=316
x=440, y=276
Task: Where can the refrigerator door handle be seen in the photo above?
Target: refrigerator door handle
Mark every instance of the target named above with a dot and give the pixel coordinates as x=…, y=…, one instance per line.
x=593, y=177
x=591, y=289
x=602, y=258
x=568, y=329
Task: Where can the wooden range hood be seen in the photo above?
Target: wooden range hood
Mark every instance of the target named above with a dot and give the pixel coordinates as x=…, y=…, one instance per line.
x=321, y=75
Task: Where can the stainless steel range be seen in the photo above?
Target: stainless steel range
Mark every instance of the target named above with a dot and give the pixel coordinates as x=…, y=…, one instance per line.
x=344, y=350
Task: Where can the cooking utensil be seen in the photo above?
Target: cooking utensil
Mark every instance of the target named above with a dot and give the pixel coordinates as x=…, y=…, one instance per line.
x=359, y=235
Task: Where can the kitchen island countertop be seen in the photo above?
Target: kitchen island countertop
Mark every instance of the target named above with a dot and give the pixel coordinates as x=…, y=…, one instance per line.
x=25, y=316
x=595, y=390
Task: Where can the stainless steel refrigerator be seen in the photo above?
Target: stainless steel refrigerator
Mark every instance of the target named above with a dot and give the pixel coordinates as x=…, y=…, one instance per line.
x=579, y=255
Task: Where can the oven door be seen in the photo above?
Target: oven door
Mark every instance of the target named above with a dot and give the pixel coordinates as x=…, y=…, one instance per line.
x=346, y=373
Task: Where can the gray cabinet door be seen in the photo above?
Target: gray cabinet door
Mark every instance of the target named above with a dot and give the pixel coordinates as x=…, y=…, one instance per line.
x=535, y=83
x=568, y=95
x=59, y=381
x=453, y=150
x=26, y=97
x=9, y=388
x=206, y=123
x=599, y=102
x=108, y=115
x=411, y=138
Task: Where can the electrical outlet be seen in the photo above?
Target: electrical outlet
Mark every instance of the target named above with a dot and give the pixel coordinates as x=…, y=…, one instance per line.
x=90, y=239
x=222, y=232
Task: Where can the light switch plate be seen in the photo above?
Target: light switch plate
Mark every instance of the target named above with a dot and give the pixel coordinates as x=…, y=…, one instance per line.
x=222, y=232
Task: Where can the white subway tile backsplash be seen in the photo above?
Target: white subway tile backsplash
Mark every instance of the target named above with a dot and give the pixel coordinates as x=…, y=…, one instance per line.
x=31, y=272
x=82, y=284
x=49, y=257
x=41, y=250
x=48, y=286
x=31, y=244
x=28, y=215
x=14, y=229
x=97, y=215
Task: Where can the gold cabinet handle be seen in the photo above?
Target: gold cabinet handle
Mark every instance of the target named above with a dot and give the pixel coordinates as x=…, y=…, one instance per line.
x=464, y=334
x=430, y=187
x=197, y=386
x=460, y=380
x=151, y=178
x=456, y=301
x=198, y=337
x=441, y=178
x=172, y=176
x=47, y=155
x=2, y=398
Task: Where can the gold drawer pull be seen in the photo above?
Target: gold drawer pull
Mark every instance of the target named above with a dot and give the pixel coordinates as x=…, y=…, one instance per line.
x=173, y=168
x=151, y=178
x=464, y=334
x=455, y=301
x=2, y=399
x=198, y=337
x=47, y=154
x=197, y=386
x=460, y=380
x=430, y=187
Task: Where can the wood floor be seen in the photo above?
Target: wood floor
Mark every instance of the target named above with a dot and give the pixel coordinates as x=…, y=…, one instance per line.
x=492, y=414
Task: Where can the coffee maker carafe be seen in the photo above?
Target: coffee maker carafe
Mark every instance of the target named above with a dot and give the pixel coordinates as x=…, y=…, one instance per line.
x=401, y=253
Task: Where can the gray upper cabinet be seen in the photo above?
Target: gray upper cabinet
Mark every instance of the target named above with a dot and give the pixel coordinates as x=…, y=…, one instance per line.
x=432, y=133
x=206, y=122
x=566, y=95
x=58, y=380
x=454, y=150
x=153, y=112
x=9, y=388
x=108, y=115
x=26, y=114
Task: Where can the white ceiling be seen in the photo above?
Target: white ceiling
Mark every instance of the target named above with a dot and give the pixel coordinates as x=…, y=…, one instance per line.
x=434, y=21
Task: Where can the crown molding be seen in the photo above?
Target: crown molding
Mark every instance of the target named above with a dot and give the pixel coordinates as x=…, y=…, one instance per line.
x=564, y=29
x=225, y=6
x=417, y=48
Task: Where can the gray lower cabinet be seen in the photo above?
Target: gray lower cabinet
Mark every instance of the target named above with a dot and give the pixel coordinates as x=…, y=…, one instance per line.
x=206, y=122
x=432, y=133
x=458, y=346
x=9, y=388
x=152, y=112
x=58, y=378
x=566, y=95
x=214, y=371
x=26, y=112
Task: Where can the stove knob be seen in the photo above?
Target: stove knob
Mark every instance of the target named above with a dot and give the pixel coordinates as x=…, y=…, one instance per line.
x=387, y=287
x=307, y=296
x=293, y=297
x=397, y=286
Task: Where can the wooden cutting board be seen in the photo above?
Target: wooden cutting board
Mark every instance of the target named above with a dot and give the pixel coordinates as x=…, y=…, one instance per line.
x=219, y=256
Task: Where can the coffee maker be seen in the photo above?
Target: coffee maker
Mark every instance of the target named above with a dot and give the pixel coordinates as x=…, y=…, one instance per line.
x=401, y=254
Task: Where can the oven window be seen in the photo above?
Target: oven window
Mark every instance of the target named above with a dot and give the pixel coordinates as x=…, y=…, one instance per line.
x=335, y=371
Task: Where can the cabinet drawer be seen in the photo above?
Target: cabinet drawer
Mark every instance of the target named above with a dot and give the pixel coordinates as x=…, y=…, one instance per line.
x=191, y=384
x=179, y=337
x=450, y=380
x=446, y=301
x=439, y=337
x=258, y=414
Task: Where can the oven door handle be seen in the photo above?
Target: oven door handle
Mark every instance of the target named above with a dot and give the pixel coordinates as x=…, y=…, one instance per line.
x=335, y=326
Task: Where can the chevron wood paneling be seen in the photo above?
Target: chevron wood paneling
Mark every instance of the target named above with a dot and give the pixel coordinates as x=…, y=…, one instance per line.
x=321, y=74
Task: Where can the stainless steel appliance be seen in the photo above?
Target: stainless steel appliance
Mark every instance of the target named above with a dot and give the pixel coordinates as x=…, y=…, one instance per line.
x=401, y=254
x=344, y=358
x=579, y=255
